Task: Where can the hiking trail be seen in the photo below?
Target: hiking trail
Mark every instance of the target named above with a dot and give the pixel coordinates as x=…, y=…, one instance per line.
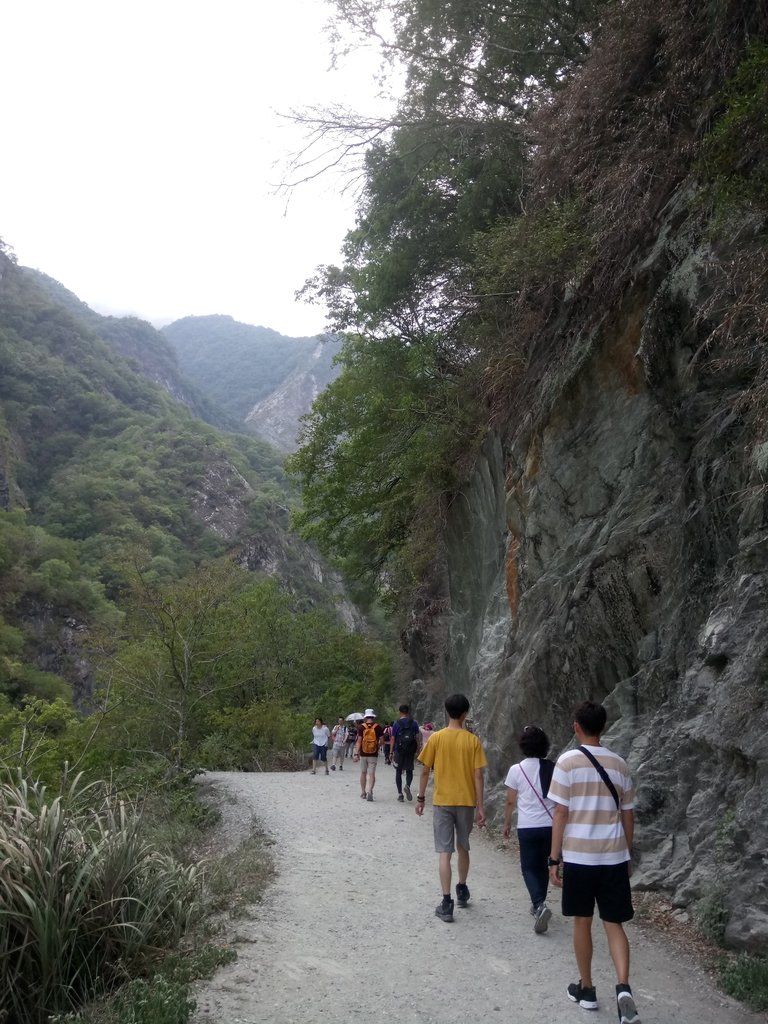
x=347, y=931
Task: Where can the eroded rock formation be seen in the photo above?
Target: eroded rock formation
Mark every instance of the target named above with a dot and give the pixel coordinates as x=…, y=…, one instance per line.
x=613, y=545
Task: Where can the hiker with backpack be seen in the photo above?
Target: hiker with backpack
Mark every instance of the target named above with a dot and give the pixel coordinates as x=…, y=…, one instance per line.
x=527, y=787
x=406, y=743
x=370, y=737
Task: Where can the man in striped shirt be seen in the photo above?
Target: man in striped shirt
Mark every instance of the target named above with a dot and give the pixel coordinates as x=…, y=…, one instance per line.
x=592, y=833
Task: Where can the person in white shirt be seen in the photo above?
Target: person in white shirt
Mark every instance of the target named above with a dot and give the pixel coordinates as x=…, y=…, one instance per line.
x=528, y=785
x=321, y=734
x=339, y=737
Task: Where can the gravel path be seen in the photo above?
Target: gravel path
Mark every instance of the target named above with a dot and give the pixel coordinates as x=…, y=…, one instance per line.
x=347, y=932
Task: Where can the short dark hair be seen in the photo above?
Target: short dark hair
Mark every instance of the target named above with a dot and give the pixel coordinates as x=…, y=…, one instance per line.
x=591, y=717
x=404, y=709
x=534, y=742
x=456, y=705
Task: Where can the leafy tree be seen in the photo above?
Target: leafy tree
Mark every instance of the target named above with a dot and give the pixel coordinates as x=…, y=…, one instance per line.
x=183, y=643
x=377, y=455
x=387, y=443
x=31, y=734
x=202, y=657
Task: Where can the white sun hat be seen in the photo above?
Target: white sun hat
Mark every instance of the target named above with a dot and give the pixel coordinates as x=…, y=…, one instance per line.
x=369, y=713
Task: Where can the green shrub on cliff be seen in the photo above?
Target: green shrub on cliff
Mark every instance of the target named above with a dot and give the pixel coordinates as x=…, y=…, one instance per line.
x=383, y=447
x=734, y=161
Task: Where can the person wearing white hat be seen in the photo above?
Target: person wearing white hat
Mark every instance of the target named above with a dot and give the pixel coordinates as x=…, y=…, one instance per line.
x=370, y=737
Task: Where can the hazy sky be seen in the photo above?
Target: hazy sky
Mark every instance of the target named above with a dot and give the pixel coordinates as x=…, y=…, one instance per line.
x=141, y=144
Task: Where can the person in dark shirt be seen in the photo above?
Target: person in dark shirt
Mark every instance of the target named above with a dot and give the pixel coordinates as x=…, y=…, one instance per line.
x=406, y=744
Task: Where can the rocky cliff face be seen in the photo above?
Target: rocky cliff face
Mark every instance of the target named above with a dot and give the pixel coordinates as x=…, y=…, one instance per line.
x=613, y=545
x=277, y=418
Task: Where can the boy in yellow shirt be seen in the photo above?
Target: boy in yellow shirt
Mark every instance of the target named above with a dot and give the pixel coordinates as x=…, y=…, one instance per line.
x=458, y=759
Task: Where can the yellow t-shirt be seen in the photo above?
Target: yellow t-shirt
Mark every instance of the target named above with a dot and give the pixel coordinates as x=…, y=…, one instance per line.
x=454, y=754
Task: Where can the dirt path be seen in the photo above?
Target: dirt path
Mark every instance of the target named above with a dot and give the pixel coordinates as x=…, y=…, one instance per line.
x=347, y=932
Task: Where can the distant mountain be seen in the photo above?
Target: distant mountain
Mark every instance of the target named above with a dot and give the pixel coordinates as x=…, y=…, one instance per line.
x=264, y=380
x=147, y=350
x=101, y=466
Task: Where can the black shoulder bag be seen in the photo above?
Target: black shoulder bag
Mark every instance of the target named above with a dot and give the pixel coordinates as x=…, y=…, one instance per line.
x=603, y=775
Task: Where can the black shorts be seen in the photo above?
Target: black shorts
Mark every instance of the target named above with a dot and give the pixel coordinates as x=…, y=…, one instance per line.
x=604, y=884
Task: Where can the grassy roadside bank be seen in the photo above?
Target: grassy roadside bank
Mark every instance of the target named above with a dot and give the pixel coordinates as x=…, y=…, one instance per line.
x=115, y=904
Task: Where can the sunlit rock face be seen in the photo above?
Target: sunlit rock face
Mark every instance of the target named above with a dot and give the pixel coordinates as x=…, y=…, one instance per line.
x=613, y=545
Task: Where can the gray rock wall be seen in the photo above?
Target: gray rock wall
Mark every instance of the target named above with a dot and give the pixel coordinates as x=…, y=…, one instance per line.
x=613, y=545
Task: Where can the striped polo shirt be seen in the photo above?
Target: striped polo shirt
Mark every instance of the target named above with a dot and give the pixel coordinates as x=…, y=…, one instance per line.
x=594, y=833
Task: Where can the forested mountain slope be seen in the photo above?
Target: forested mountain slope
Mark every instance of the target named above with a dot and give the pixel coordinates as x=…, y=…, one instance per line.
x=548, y=439
x=263, y=380
x=147, y=561
x=146, y=349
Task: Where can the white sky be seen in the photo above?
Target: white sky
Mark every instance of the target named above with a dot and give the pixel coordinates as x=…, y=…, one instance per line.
x=142, y=143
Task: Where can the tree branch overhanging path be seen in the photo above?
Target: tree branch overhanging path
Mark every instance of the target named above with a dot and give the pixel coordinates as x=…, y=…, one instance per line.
x=348, y=931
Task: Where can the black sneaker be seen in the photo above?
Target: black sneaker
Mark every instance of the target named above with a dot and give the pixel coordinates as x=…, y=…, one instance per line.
x=462, y=894
x=627, y=1010
x=400, y=798
x=408, y=794
x=585, y=997
x=444, y=910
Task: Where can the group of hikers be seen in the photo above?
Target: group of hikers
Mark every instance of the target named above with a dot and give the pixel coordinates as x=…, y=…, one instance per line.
x=398, y=741
x=575, y=822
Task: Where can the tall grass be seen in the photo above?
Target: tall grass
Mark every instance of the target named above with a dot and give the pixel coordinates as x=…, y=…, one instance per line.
x=84, y=898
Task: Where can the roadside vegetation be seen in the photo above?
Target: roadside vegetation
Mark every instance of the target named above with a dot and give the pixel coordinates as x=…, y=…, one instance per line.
x=90, y=897
x=135, y=652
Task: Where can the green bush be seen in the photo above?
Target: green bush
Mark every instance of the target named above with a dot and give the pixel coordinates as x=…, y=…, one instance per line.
x=248, y=738
x=546, y=242
x=84, y=897
x=746, y=979
x=192, y=964
x=711, y=916
x=734, y=160
x=158, y=1002
x=150, y=1001
x=238, y=879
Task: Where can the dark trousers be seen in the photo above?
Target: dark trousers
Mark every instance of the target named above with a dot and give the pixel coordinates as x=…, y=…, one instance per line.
x=406, y=767
x=534, y=853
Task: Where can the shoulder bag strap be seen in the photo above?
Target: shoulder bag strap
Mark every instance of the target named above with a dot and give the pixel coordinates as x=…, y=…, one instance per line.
x=603, y=775
x=535, y=790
